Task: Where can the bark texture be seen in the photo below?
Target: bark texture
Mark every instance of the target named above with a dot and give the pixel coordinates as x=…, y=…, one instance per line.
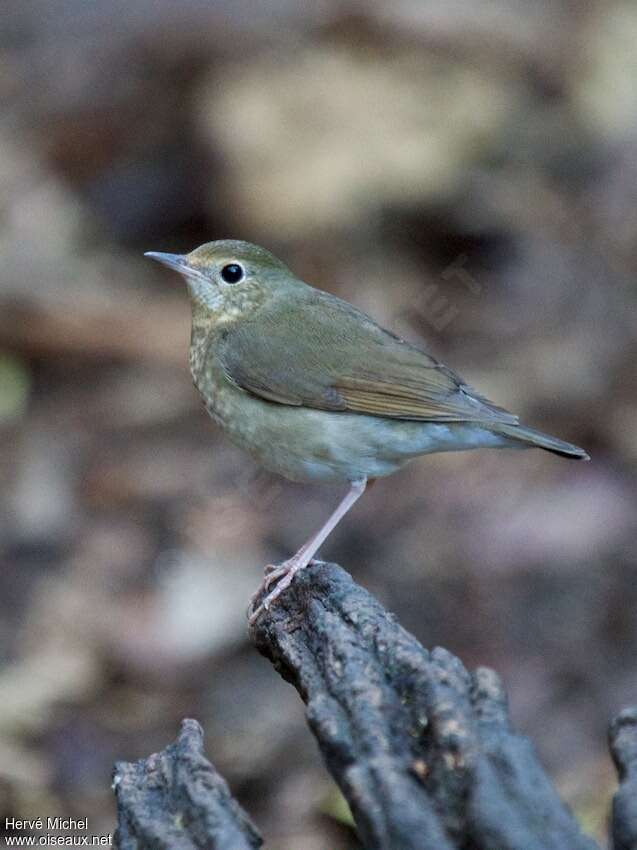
x=176, y=800
x=422, y=749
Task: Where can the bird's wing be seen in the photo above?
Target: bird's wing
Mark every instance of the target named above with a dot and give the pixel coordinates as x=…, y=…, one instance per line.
x=317, y=351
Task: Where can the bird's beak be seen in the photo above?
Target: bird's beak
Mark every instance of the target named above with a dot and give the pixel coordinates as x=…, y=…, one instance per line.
x=173, y=261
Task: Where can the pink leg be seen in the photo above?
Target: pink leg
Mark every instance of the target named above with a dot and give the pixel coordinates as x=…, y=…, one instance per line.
x=304, y=556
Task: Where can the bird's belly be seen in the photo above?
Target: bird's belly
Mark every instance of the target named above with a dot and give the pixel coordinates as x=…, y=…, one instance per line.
x=311, y=445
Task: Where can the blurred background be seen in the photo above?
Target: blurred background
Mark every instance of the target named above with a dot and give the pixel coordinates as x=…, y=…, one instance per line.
x=467, y=173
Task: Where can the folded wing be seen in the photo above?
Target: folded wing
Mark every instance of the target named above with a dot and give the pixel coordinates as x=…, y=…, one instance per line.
x=341, y=360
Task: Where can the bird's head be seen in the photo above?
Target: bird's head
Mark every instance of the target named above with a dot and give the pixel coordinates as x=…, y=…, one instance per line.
x=228, y=278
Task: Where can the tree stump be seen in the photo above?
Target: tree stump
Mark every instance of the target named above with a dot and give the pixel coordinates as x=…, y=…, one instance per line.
x=421, y=748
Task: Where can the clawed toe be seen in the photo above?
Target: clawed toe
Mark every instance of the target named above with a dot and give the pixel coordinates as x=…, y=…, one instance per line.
x=283, y=574
x=254, y=616
x=273, y=575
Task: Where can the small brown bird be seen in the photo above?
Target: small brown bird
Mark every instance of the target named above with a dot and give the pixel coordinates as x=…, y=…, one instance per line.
x=316, y=390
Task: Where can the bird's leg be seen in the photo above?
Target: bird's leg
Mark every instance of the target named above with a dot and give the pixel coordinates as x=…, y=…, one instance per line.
x=304, y=556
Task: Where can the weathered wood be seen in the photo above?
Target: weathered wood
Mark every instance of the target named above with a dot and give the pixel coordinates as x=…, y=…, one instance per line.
x=176, y=800
x=422, y=749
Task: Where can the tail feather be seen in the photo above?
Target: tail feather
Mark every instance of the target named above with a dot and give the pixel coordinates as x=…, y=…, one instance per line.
x=543, y=441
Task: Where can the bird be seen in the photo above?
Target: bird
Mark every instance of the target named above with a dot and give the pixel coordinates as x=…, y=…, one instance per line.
x=317, y=391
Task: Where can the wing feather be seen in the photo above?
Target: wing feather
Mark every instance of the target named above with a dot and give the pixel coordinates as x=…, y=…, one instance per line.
x=339, y=359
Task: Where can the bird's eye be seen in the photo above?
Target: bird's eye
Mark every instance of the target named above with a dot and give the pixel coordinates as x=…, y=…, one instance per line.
x=232, y=273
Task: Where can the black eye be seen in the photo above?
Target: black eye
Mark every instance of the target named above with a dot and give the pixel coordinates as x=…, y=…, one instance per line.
x=232, y=273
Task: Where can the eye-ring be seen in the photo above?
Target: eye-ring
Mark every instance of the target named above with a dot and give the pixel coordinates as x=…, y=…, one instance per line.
x=232, y=273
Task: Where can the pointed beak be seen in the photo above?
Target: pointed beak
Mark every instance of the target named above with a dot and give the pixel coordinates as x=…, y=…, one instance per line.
x=173, y=261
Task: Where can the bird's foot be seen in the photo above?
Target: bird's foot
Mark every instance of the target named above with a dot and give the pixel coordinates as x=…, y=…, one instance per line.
x=272, y=573
x=283, y=575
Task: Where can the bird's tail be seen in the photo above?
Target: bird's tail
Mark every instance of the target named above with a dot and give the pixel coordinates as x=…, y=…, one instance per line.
x=543, y=441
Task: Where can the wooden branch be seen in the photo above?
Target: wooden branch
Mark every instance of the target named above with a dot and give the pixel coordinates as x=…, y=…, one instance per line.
x=422, y=749
x=176, y=800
